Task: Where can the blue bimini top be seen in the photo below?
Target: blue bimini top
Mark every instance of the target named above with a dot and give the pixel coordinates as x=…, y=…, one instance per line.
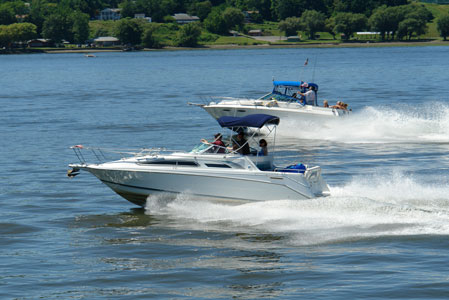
x=295, y=84
x=256, y=121
x=288, y=83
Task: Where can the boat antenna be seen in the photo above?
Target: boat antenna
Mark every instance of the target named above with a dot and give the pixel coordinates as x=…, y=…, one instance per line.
x=314, y=66
x=302, y=69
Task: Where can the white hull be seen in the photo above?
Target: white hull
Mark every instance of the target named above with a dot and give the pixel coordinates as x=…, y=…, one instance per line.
x=231, y=173
x=285, y=111
x=135, y=183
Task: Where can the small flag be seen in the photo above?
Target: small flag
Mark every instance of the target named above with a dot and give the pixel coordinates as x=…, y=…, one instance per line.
x=306, y=62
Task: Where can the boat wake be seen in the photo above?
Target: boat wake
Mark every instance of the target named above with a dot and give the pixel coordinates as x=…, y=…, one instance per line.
x=428, y=123
x=365, y=208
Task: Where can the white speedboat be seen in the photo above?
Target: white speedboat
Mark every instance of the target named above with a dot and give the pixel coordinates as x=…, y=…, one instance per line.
x=285, y=101
x=208, y=171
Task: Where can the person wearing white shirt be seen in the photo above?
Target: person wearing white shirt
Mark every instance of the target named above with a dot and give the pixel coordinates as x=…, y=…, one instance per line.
x=309, y=96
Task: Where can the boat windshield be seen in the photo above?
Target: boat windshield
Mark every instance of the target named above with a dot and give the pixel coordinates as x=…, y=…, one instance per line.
x=288, y=91
x=282, y=93
x=209, y=148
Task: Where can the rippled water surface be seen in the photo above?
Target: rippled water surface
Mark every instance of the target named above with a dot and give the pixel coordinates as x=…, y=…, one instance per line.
x=382, y=234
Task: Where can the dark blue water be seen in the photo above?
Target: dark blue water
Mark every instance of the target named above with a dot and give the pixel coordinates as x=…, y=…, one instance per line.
x=383, y=234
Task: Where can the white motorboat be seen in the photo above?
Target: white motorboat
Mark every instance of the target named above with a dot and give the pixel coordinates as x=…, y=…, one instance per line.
x=285, y=101
x=208, y=171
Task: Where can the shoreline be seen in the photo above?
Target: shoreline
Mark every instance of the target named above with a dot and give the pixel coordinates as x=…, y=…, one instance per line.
x=237, y=47
x=274, y=46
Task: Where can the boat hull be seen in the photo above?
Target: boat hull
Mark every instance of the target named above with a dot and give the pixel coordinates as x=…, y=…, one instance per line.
x=289, y=112
x=137, y=185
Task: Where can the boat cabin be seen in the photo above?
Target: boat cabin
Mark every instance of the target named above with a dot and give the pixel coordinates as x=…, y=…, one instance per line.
x=246, y=140
x=288, y=91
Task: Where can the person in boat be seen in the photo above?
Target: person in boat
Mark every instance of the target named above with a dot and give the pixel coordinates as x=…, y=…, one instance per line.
x=263, y=148
x=221, y=147
x=325, y=103
x=300, y=99
x=309, y=96
x=341, y=105
x=240, y=144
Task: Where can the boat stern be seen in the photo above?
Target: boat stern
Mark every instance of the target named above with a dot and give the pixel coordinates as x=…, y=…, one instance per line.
x=317, y=184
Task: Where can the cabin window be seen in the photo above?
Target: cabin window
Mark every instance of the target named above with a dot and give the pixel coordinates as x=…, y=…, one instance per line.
x=241, y=110
x=171, y=163
x=218, y=166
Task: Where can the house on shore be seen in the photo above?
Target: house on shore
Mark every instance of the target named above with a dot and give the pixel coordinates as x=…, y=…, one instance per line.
x=142, y=16
x=109, y=14
x=40, y=43
x=255, y=32
x=106, y=41
x=185, y=18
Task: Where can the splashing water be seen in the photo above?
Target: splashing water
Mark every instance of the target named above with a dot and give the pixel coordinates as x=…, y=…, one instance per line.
x=425, y=123
x=379, y=206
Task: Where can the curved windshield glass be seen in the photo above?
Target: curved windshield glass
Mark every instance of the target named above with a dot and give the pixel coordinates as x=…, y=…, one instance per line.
x=200, y=148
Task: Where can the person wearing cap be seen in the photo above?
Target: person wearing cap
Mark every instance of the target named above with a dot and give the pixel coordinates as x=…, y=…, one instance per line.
x=309, y=96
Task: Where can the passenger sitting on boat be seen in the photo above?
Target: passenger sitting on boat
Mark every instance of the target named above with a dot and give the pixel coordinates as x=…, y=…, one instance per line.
x=340, y=105
x=240, y=144
x=325, y=103
x=309, y=96
x=221, y=146
x=263, y=148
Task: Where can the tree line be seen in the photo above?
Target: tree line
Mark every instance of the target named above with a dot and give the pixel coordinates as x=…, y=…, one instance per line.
x=69, y=19
x=391, y=22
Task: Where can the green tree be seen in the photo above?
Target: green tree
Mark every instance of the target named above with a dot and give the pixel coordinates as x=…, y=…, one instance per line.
x=80, y=27
x=129, y=31
x=329, y=26
x=188, y=35
x=443, y=26
x=413, y=19
x=233, y=18
x=312, y=22
x=5, y=36
x=22, y=32
x=58, y=27
x=290, y=26
x=149, y=39
x=379, y=21
x=201, y=9
x=17, y=32
x=7, y=15
x=39, y=11
x=128, y=9
x=215, y=22
x=411, y=26
x=348, y=23
x=283, y=9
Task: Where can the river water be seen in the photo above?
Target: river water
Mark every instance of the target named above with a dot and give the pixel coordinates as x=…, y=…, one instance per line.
x=382, y=234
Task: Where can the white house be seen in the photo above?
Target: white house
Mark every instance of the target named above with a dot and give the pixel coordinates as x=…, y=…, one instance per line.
x=106, y=41
x=109, y=14
x=142, y=16
x=185, y=18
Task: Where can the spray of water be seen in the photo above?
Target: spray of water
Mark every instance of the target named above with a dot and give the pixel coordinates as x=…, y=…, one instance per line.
x=383, y=124
x=381, y=205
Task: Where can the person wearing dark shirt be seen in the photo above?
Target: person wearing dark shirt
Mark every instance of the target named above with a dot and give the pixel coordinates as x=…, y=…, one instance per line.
x=241, y=144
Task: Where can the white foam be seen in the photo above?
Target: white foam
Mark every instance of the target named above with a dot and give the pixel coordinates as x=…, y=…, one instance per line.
x=382, y=205
x=425, y=123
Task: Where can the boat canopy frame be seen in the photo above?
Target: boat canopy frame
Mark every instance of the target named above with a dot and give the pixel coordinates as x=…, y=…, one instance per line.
x=250, y=124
